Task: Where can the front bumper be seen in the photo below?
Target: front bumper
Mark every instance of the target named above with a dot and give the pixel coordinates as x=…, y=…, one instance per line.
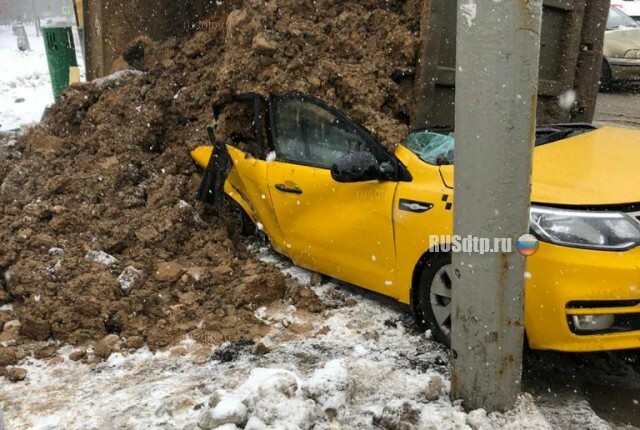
x=568, y=281
x=623, y=69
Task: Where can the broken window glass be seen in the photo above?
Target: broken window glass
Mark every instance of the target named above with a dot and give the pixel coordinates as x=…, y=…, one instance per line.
x=432, y=148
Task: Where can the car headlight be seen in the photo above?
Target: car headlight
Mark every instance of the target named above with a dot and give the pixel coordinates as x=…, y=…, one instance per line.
x=633, y=54
x=614, y=231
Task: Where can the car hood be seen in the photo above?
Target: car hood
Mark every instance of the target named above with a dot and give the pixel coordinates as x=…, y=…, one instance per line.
x=619, y=41
x=600, y=167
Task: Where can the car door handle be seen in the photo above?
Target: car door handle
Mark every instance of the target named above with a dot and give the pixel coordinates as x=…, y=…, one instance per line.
x=414, y=206
x=285, y=189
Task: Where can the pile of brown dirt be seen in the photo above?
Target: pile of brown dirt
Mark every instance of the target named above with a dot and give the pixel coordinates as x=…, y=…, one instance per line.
x=99, y=230
x=342, y=52
x=100, y=236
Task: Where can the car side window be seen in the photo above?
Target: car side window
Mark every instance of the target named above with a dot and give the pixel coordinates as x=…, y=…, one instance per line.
x=307, y=133
x=619, y=19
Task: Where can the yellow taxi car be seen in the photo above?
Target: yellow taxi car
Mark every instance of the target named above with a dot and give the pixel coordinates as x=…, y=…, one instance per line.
x=331, y=198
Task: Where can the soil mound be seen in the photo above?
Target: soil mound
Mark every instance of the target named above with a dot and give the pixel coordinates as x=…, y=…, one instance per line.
x=99, y=230
x=101, y=236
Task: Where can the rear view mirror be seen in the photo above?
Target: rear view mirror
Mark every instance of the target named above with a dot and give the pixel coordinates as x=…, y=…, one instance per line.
x=358, y=166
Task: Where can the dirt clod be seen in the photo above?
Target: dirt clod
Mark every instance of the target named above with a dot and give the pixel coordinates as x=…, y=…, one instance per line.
x=8, y=357
x=46, y=351
x=35, y=328
x=134, y=342
x=109, y=344
x=16, y=374
x=231, y=351
x=77, y=355
x=10, y=331
x=316, y=279
x=261, y=349
x=400, y=416
x=168, y=271
x=435, y=388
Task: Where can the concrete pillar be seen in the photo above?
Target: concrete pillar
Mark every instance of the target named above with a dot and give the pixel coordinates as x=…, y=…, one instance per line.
x=496, y=88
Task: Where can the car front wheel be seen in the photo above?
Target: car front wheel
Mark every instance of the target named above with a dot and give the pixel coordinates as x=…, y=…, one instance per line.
x=435, y=296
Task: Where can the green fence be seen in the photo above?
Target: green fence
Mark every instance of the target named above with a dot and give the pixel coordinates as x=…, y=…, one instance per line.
x=61, y=55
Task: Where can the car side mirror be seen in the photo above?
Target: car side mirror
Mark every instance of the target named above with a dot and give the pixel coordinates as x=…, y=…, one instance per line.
x=358, y=166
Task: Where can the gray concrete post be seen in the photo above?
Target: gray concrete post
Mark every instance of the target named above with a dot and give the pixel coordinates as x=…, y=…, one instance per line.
x=23, y=40
x=498, y=45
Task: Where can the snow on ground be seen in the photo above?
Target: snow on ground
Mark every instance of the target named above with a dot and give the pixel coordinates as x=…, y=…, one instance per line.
x=359, y=367
x=25, y=76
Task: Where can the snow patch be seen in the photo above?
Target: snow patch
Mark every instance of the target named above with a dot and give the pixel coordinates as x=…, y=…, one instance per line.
x=55, y=252
x=128, y=278
x=271, y=156
x=101, y=257
x=567, y=99
x=25, y=76
x=117, y=78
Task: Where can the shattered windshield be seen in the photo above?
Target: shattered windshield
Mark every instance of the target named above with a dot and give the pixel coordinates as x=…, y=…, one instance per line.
x=437, y=148
x=432, y=148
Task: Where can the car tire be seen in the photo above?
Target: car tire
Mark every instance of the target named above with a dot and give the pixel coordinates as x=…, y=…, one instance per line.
x=606, y=77
x=435, y=296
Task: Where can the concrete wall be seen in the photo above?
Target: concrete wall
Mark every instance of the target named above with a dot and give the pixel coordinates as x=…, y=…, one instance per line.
x=570, y=58
x=112, y=24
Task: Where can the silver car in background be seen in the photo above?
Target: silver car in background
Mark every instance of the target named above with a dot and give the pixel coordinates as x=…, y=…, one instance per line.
x=621, y=50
